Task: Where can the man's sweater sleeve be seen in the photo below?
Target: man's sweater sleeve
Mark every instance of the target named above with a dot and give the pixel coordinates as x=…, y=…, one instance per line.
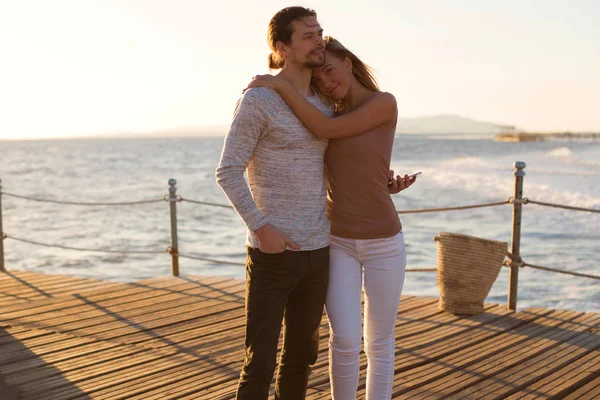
x=249, y=124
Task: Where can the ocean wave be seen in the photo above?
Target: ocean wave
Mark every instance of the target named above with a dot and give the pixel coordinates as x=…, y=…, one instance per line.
x=76, y=264
x=487, y=179
x=569, y=172
x=114, y=259
x=566, y=154
x=491, y=181
x=471, y=162
x=563, y=194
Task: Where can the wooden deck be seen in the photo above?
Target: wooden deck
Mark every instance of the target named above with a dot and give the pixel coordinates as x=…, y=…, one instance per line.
x=181, y=338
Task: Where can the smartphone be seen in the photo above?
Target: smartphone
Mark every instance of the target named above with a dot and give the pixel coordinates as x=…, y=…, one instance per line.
x=410, y=176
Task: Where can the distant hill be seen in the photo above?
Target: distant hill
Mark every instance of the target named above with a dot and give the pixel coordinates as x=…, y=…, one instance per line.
x=447, y=124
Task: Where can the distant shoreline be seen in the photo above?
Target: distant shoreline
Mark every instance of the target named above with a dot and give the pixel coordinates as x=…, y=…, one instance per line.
x=498, y=137
x=540, y=137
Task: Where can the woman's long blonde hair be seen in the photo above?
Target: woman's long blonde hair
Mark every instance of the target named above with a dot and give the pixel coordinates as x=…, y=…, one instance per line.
x=361, y=71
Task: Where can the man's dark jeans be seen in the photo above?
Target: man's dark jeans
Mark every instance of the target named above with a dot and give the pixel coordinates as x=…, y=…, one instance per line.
x=289, y=286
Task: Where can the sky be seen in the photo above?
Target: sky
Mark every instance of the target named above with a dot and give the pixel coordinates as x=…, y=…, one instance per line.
x=81, y=67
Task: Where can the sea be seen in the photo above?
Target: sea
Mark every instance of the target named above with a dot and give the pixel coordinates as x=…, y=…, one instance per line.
x=457, y=170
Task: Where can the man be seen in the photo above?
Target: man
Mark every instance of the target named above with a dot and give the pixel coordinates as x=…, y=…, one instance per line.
x=284, y=209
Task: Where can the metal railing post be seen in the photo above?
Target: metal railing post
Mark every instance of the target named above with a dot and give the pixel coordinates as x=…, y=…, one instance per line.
x=173, y=249
x=2, y=268
x=515, y=245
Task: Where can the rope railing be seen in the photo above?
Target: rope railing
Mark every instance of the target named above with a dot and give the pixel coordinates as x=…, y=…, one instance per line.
x=521, y=264
x=539, y=203
x=426, y=210
x=561, y=271
x=421, y=270
x=5, y=236
x=211, y=204
x=77, y=203
x=212, y=260
x=206, y=203
x=515, y=262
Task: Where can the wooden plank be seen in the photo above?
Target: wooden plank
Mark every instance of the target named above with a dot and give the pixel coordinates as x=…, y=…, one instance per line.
x=72, y=322
x=114, y=375
x=320, y=378
x=416, y=354
x=109, y=325
x=86, y=308
x=68, y=357
x=591, y=390
x=577, y=371
x=117, y=294
x=42, y=285
x=87, y=377
x=193, y=335
x=433, y=370
x=135, y=294
x=496, y=375
x=47, y=344
x=436, y=340
x=173, y=383
x=549, y=355
x=92, y=355
x=15, y=279
x=145, y=285
x=61, y=342
x=37, y=306
x=35, y=286
x=54, y=287
x=5, y=276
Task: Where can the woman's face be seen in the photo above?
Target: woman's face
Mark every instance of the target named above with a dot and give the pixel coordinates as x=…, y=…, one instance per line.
x=333, y=78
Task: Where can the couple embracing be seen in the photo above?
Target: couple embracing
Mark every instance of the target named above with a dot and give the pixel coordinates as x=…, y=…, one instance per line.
x=316, y=140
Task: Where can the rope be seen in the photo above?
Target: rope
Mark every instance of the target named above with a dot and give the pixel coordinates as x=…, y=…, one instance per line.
x=399, y=212
x=560, y=271
x=421, y=270
x=212, y=260
x=243, y=264
x=518, y=262
x=207, y=203
x=564, y=207
x=424, y=210
x=73, y=203
x=83, y=249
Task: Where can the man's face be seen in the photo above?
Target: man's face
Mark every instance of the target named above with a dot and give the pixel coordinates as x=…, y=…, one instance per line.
x=307, y=46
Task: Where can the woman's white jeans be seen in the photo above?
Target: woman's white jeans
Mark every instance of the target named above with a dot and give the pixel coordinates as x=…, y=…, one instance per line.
x=384, y=262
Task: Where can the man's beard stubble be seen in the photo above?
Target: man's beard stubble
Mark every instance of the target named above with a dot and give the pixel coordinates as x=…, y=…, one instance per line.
x=315, y=64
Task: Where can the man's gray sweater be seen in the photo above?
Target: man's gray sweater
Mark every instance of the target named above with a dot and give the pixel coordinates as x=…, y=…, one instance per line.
x=285, y=162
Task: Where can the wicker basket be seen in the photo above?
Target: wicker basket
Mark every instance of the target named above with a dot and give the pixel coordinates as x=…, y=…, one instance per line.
x=467, y=269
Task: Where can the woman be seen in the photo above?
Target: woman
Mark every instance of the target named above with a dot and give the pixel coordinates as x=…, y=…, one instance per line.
x=365, y=228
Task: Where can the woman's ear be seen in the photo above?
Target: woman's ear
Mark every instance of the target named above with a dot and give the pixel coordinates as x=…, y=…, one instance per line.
x=348, y=63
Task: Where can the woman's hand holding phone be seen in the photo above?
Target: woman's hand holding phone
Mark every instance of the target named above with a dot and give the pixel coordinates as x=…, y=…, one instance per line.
x=398, y=184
